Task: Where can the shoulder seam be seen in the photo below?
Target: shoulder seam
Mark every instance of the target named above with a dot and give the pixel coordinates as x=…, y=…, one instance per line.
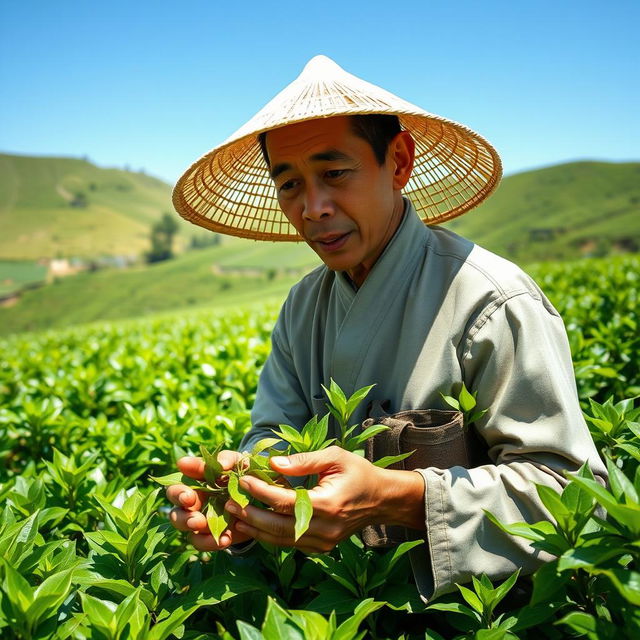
x=466, y=260
x=484, y=317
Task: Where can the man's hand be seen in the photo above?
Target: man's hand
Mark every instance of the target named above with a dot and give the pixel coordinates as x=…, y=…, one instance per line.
x=351, y=493
x=187, y=514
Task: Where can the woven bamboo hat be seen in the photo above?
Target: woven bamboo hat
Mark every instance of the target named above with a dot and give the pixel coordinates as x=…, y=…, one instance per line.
x=229, y=190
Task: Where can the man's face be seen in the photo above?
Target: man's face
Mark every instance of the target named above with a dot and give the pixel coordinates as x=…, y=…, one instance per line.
x=331, y=188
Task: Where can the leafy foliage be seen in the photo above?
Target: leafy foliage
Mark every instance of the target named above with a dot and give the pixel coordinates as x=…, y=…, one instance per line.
x=87, y=415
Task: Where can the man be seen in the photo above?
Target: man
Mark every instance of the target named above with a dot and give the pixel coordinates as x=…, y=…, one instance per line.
x=413, y=309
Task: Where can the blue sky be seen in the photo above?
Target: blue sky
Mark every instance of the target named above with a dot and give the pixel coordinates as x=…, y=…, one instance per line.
x=154, y=85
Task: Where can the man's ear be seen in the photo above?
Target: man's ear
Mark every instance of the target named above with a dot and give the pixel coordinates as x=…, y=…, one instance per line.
x=402, y=151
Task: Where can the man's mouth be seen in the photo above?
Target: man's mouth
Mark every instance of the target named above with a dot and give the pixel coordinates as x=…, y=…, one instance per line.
x=332, y=241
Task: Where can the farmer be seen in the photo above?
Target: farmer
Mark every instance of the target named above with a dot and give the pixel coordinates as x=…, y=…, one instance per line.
x=355, y=172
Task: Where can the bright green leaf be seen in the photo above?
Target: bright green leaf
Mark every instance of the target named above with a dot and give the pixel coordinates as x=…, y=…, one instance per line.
x=303, y=511
x=467, y=401
x=218, y=520
x=236, y=492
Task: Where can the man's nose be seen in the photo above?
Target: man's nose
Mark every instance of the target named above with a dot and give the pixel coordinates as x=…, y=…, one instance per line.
x=317, y=204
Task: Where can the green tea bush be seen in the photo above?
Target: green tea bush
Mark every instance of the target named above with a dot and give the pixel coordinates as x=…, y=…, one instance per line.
x=86, y=551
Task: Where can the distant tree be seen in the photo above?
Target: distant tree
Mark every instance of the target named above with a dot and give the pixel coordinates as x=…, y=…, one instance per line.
x=79, y=200
x=162, y=233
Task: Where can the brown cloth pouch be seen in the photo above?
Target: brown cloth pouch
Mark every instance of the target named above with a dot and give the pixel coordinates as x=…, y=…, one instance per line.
x=439, y=439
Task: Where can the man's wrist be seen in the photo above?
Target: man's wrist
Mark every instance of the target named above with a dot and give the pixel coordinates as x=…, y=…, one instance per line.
x=403, y=499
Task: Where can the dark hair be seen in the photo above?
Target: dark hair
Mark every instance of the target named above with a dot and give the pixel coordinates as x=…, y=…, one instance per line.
x=377, y=129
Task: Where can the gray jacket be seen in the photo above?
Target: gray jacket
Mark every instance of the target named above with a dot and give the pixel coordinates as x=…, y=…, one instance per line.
x=436, y=310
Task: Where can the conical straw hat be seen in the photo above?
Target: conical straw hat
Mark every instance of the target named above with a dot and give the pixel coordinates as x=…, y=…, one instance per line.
x=229, y=190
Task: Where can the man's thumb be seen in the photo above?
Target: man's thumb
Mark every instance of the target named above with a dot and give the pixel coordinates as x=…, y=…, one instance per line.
x=302, y=464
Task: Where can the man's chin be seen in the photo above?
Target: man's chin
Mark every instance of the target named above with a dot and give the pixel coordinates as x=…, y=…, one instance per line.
x=336, y=262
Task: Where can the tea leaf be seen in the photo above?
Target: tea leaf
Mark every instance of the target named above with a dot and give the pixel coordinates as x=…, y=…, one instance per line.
x=501, y=590
x=349, y=627
x=266, y=475
x=303, y=511
x=263, y=444
x=583, y=623
x=455, y=607
x=218, y=519
x=212, y=468
x=551, y=499
x=389, y=460
x=471, y=598
x=248, y=632
x=356, y=398
x=621, y=486
x=100, y=614
x=369, y=432
x=467, y=401
x=451, y=401
x=49, y=596
x=625, y=581
x=17, y=589
x=236, y=492
x=277, y=624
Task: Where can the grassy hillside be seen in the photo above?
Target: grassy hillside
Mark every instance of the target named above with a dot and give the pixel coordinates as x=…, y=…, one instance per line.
x=186, y=282
x=239, y=253
x=566, y=211
x=68, y=207
x=55, y=207
x=560, y=212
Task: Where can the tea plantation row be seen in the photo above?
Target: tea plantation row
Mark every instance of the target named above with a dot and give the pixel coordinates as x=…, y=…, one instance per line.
x=86, y=415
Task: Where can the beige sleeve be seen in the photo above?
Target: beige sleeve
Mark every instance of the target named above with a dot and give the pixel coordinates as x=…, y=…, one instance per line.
x=516, y=356
x=279, y=397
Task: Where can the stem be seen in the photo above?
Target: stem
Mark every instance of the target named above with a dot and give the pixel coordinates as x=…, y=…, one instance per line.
x=583, y=588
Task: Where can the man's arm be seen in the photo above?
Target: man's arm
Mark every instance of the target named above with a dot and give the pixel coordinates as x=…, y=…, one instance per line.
x=517, y=358
x=279, y=397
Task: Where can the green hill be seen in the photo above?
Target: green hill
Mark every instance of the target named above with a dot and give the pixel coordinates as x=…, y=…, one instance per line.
x=561, y=212
x=185, y=282
x=64, y=207
x=55, y=207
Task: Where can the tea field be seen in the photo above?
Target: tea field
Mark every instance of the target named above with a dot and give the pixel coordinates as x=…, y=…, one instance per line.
x=86, y=550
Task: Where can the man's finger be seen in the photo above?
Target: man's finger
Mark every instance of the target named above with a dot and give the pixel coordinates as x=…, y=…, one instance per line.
x=228, y=459
x=205, y=541
x=303, y=464
x=306, y=543
x=192, y=466
x=278, y=498
x=187, y=520
x=182, y=496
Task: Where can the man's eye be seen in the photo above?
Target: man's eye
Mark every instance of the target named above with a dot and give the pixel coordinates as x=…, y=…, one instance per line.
x=335, y=173
x=287, y=186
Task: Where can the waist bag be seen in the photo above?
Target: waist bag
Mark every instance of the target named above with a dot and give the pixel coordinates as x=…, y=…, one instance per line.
x=439, y=439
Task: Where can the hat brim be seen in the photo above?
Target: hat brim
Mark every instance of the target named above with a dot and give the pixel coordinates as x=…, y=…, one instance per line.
x=229, y=190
